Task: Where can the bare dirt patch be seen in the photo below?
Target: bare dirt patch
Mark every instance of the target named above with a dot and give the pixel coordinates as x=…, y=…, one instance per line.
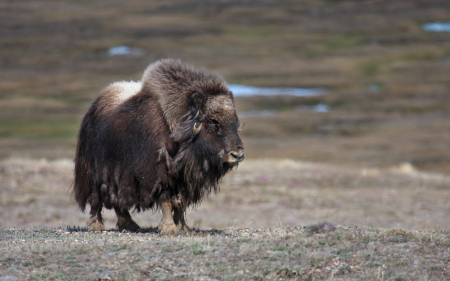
x=265, y=193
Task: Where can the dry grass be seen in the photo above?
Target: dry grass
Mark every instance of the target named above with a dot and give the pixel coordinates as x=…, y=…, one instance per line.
x=229, y=254
x=352, y=139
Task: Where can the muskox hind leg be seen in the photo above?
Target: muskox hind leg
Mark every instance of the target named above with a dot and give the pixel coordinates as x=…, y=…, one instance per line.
x=125, y=222
x=178, y=217
x=167, y=224
x=95, y=222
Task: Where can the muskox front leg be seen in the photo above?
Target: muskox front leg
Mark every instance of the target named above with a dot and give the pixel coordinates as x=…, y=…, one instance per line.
x=125, y=222
x=179, y=211
x=167, y=224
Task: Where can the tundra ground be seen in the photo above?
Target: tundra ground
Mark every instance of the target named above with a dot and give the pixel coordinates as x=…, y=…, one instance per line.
x=391, y=224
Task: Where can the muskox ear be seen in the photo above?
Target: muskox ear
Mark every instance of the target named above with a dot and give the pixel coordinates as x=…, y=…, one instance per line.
x=198, y=99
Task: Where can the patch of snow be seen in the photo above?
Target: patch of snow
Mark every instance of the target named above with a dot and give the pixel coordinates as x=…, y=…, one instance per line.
x=242, y=90
x=125, y=50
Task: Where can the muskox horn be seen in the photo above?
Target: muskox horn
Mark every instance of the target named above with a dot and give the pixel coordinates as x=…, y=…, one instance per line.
x=241, y=128
x=197, y=129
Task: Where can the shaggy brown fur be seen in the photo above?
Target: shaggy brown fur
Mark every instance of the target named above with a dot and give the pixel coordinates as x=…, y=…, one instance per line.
x=162, y=142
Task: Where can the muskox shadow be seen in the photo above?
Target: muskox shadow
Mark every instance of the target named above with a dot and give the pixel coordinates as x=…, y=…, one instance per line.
x=154, y=230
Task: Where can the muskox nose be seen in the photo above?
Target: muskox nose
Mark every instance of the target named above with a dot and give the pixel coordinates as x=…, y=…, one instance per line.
x=236, y=156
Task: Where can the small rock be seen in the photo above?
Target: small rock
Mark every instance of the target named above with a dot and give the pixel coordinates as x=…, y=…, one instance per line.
x=321, y=228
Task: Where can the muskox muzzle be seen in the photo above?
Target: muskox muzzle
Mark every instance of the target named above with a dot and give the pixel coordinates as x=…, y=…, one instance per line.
x=236, y=156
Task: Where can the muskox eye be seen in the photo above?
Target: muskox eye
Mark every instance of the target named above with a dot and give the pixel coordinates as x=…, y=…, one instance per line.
x=213, y=126
x=213, y=123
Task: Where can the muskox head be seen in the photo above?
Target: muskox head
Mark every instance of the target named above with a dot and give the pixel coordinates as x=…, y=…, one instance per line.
x=217, y=123
x=209, y=133
x=200, y=112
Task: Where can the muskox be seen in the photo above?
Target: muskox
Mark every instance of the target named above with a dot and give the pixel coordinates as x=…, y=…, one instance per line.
x=163, y=142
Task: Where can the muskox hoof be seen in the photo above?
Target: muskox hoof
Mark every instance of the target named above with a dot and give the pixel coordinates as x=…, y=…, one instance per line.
x=128, y=225
x=125, y=222
x=183, y=228
x=167, y=228
x=95, y=225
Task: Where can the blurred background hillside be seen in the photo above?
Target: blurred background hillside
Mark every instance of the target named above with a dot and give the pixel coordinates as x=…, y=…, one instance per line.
x=381, y=70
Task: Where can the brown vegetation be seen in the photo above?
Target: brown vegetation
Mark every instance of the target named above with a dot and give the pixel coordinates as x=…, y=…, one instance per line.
x=387, y=79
